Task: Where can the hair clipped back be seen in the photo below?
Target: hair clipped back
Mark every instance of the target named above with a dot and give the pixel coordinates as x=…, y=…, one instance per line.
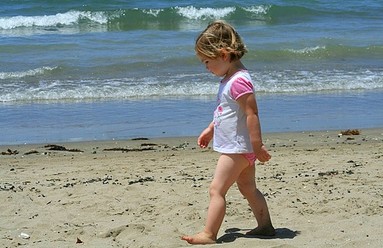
x=219, y=36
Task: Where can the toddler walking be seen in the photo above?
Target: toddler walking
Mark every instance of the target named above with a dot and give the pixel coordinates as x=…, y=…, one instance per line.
x=235, y=131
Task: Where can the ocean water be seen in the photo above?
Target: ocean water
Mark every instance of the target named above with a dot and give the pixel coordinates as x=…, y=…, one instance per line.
x=96, y=70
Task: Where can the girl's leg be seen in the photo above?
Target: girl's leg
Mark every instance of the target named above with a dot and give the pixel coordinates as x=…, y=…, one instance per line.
x=228, y=169
x=247, y=186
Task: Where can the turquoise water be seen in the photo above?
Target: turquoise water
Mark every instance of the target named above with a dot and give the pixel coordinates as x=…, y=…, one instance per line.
x=85, y=70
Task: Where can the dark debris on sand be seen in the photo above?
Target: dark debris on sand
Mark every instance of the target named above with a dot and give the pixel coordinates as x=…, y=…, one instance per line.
x=10, y=152
x=351, y=132
x=119, y=149
x=61, y=148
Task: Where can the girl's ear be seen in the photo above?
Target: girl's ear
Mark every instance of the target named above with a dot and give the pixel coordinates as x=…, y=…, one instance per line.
x=224, y=54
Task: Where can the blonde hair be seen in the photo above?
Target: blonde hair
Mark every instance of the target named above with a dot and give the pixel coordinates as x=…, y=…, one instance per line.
x=219, y=36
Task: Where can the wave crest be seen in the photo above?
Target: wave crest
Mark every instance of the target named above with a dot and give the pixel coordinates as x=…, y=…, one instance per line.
x=60, y=19
x=194, y=13
x=125, y=17
x=21, y=74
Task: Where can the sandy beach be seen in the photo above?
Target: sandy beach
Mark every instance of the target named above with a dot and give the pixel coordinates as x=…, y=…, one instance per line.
x=323, y=190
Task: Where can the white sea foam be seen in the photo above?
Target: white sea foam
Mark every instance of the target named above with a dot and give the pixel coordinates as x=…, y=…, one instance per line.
x=21, y=74
x=318, y=81
x=153, y=12
x=67, y=18
x=258, y=9
x=287, y=81
x=194, y=13
x=307, y=50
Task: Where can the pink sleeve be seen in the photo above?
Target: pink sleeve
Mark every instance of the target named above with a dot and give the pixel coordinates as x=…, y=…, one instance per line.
x=240, y=87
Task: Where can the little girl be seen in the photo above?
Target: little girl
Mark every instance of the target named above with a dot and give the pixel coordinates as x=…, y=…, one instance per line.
x=235, y=131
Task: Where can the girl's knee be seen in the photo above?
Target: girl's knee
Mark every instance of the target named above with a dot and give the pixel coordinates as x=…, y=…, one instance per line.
x=214, y=190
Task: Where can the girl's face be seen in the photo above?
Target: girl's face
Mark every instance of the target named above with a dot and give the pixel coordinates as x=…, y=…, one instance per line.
x=218, y=66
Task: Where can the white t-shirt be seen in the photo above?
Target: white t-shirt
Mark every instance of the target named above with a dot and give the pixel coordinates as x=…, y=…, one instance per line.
x=230, y=129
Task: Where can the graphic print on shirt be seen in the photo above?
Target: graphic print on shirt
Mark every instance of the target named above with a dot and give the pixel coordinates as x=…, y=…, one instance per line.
x=217, y=116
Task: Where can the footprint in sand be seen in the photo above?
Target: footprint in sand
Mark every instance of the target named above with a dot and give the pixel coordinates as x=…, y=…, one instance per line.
x=130, y=230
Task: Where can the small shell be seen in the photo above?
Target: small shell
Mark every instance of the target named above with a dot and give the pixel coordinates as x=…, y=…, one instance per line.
x=24, y=235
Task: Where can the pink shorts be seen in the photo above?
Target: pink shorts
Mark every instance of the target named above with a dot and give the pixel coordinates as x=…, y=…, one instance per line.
x=250, y=157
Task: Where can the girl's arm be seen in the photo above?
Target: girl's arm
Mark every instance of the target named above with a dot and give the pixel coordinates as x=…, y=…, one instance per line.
x=248, y=104
x=206, y=135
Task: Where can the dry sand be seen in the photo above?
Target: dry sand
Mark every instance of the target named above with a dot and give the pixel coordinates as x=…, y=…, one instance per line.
x=322, y=191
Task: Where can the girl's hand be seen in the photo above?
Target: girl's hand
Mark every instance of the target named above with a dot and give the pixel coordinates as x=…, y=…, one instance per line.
x=262, y=154
x=205, y=137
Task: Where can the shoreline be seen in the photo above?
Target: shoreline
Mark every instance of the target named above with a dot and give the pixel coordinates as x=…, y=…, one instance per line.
x=266, y=136
x=322, y=190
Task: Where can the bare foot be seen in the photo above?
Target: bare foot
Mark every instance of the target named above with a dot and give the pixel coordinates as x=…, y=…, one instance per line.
x=201, y=238
x=265, y=231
